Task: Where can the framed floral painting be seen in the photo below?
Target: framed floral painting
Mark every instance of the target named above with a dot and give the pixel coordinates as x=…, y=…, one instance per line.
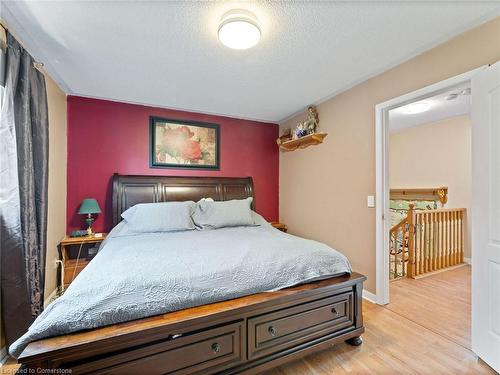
x=183, y=144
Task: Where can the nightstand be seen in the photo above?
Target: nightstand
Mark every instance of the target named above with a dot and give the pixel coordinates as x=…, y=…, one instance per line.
x=73, y=263
x=282, y=227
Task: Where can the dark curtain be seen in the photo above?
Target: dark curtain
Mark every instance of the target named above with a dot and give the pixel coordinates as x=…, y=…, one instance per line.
x=24, y=145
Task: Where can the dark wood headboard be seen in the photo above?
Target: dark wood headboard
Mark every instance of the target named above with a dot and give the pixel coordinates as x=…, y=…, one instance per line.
x=130, y=190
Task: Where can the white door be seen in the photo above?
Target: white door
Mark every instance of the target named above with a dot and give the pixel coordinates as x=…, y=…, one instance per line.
x=486, y=215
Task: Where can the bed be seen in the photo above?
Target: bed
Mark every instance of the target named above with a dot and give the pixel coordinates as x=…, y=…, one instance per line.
x=257, y=322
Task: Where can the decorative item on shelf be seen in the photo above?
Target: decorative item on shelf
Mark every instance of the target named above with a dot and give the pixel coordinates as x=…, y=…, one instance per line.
x=300, y=131
x=305, y=134
x=286, y=135
x=88, y=207
x=310, y=125
x=443, y=195
x=312, y=122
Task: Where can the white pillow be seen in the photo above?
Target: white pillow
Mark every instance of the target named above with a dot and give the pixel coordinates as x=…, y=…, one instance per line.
x=160, y=217
x=211, y=214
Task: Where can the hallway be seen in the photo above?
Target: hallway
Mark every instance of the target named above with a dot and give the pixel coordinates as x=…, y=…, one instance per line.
x=441, y=303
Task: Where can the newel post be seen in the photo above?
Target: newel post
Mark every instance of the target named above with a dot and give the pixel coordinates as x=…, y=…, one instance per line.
x=411, y=240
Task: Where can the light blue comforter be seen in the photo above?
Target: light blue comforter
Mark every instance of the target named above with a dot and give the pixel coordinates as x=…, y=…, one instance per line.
x=135, y=276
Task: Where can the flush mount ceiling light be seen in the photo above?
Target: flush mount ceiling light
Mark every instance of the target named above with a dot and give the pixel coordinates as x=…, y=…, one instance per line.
x=414, y=108
x=239, y=29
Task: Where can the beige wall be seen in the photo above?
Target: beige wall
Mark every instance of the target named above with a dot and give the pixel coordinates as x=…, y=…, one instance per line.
x=445, y=162
x=323, y=188
x=56, y=225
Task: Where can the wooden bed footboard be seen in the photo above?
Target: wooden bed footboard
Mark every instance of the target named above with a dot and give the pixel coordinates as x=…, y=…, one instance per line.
x=245, y=335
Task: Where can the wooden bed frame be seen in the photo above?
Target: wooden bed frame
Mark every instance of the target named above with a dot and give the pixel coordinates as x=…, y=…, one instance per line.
x=244, y=335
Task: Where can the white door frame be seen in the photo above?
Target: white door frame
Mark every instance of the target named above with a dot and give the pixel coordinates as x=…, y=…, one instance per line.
x=382, y=172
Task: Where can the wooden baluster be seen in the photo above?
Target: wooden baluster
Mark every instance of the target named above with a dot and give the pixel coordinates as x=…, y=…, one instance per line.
x=434, y=240
x=401, y=255
x=398, y=263
x=429, y=249
x=455, y=235
x=459, y=233
x=459, y=237
x=428, y=242
x=445, y=238
x=448, y=236
x=450, y=247
x=431, y=241
x=390, y=254
x=442, y=240
x=392, y=257
x=415, y=245
x=403, y=233
x=459, y=228
x=462, y=231
x=394, y=254
x=454, y=247
x=420, y=245
x=426, y=231
x=411, y=241
x=439, y=239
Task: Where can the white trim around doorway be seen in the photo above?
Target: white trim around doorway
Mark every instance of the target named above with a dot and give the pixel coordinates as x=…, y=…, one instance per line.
x=382, y=172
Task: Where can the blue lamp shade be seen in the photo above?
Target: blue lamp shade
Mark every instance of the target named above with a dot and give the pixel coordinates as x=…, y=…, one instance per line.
x=89, y=206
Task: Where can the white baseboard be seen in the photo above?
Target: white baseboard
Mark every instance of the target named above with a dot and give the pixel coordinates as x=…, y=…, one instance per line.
x=370, y=297
x=468, y=260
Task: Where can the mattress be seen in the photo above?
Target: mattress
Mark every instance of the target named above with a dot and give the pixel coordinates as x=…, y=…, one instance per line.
x=139, y=275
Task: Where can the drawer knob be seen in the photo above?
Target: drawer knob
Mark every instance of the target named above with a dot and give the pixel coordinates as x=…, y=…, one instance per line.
x=335, y=312
x=272, y=331
x=216, y=347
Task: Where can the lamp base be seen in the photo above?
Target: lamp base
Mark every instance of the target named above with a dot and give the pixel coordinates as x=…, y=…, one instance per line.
x=90, y=221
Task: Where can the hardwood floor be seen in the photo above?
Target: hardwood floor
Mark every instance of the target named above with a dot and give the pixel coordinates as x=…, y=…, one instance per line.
x=9, y=368
x=424, y=330
x=440, y=303
x=406, y=337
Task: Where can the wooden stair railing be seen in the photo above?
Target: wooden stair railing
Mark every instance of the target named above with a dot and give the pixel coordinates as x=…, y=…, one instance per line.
x=398, y=249
x=427, y=241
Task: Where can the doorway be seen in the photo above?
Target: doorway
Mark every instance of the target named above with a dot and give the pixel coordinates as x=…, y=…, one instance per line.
x=429, y=171
x=485, y=131
x=383, y=222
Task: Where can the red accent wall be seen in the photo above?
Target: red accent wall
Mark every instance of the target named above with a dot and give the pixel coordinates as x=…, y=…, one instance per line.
x=106, y=137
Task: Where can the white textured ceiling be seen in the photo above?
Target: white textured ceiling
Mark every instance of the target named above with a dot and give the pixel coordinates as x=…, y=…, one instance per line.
x=440, y=109
x=167, y=53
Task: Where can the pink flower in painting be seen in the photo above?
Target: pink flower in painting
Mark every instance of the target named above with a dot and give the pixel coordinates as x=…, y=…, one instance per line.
x=191, y=150
x=178, y=142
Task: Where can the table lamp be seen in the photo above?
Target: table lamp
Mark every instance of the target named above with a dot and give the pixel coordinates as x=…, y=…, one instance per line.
x=89, y=206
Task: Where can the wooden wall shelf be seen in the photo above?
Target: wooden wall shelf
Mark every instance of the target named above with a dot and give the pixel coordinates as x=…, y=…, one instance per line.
x=303, y=142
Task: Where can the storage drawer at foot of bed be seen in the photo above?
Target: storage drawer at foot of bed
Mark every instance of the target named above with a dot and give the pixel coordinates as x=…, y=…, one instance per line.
x=206, y=350
x=273, y=332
